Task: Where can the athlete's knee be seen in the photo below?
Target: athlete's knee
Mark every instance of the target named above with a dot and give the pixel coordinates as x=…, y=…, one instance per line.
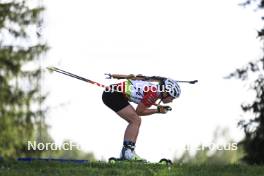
x=135, y=120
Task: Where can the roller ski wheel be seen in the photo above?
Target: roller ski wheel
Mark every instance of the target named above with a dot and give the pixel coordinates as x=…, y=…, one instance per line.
x=165, y=161
x=113, y=160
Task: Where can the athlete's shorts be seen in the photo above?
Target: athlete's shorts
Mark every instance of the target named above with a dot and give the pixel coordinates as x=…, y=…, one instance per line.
x=115, y=100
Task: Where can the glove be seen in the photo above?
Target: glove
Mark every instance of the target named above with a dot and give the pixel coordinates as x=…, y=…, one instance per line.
x=163, y=109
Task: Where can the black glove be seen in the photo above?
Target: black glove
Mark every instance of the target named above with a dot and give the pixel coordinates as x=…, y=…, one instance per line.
x=163, y=109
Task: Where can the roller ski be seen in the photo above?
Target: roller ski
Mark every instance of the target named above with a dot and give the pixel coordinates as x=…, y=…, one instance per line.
x=128, y=154
x=163, y=161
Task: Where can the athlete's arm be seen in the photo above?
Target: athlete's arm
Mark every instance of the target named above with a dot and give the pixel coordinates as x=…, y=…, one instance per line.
x=143, y=110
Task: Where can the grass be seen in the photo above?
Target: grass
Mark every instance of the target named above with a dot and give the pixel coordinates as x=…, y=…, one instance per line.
x=52, y=168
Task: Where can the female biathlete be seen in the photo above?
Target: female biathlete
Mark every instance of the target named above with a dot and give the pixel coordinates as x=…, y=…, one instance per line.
x=144, y=94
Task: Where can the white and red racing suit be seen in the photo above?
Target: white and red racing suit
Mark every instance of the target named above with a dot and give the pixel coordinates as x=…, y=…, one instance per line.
x=140, y=91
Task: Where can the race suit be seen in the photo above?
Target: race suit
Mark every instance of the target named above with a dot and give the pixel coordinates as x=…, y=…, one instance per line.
x=140, y=91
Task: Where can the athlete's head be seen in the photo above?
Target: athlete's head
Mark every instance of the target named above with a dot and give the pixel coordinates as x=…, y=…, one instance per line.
x=170, y=90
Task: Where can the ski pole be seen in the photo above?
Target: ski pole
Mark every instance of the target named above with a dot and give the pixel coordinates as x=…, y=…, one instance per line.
x=143, y=78
x=83, y=79
x=190, y=82
x=76, y=76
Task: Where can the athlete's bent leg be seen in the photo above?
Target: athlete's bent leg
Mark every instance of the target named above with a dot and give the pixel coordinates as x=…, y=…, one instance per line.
x=130, y=137
x=134, y=121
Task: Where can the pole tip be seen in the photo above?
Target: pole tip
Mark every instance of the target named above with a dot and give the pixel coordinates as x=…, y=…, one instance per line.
x=51, y=69
x=194, y=81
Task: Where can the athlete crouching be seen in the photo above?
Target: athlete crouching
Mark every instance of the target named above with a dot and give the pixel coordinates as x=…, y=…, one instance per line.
x=144, y=94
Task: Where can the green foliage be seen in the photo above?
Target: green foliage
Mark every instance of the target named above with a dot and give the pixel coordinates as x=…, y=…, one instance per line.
x=75, y=153
x=20, y=95
x=205, y=156
x=253, y=143
x=217, y=154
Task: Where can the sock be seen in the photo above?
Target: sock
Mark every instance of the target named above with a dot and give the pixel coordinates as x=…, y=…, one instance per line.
x=129, y=144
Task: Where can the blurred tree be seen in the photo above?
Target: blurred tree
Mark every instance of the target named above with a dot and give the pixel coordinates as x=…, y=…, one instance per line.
x=214, y=154
x=253, y=143
x=20, y=51
x=74, y=153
